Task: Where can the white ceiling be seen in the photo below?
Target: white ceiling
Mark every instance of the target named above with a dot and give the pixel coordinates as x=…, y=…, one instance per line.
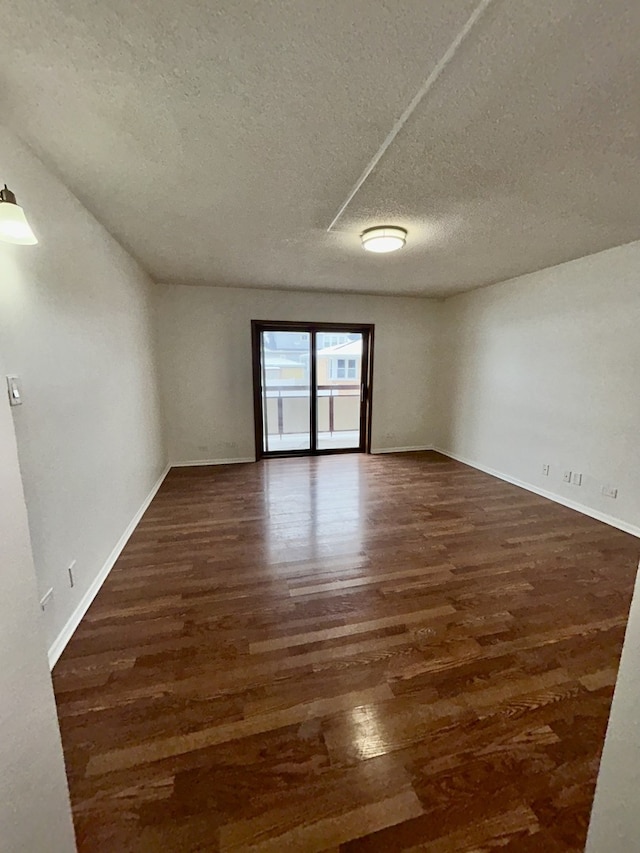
x=218, y=141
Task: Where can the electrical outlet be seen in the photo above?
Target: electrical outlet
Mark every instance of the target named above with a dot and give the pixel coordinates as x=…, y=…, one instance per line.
x=46, y=598
x=72, y=566
x=609, y=491
x=545, y=470
x=576, y=479
x=566, y=477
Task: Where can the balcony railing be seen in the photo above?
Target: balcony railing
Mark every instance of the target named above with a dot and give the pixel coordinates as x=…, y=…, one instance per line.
x=287, y=408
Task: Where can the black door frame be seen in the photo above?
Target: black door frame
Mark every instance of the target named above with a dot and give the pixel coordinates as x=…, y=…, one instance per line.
x=366, y=392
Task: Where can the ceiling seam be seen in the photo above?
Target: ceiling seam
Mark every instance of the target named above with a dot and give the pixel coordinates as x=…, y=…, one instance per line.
x=475, y=16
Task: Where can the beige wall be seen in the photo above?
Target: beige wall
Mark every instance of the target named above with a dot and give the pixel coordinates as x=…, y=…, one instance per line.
x=206, y=374
x=76, y=324
x=34, y=802
x=544, y=370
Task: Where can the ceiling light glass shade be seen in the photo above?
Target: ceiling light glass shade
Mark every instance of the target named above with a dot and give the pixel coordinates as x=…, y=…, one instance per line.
x=14, y=227
x=387, y=238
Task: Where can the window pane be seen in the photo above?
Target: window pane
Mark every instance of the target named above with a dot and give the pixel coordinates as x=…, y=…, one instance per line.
x=286, y=390
x=339, y=392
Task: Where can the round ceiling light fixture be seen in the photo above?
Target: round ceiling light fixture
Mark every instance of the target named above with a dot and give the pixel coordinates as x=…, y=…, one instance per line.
x=383, y=238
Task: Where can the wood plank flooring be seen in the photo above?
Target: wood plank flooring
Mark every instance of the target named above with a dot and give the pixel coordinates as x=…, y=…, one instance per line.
x=355, y=653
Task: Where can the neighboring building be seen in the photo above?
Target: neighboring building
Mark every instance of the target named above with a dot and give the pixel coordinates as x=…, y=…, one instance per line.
x=283, y=371
x=341, y=364
x=293, y=345
x=325, y=340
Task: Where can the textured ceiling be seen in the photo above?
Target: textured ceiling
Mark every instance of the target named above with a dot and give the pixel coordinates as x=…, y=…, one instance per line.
x=218, y=141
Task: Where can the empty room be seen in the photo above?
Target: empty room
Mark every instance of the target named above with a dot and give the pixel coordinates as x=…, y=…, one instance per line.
x=320, y=424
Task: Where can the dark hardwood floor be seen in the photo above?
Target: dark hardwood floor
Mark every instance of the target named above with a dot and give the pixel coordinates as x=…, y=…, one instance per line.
x=363, y=653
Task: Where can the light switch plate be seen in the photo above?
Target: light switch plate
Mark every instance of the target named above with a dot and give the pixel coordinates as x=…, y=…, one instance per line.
x=15, y=392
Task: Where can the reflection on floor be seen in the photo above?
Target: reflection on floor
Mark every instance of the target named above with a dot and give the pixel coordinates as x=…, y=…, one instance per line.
x=370, y=653
x=326, y=440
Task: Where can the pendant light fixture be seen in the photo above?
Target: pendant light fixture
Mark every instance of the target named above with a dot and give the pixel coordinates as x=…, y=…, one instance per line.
x=14, y=227
x=383, y=238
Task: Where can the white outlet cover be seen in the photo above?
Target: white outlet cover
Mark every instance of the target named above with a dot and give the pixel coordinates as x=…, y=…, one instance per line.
x=567, y=477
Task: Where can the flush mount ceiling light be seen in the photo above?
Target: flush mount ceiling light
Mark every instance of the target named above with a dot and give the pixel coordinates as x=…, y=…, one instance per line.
x=383, y=238
x=14, y=227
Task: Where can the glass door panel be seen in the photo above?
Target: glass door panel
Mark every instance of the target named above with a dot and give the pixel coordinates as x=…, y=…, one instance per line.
x=339, y=389
x=285, y=367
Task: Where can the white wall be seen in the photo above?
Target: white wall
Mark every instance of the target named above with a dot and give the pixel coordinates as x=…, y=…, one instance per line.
x=206, y=371
x=76, y=324
x=34, y=800
x=545, y=369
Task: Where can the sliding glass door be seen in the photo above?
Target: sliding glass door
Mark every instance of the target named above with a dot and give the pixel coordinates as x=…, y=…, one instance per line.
x=285, y=376
x=312, y=385
x=339, y=390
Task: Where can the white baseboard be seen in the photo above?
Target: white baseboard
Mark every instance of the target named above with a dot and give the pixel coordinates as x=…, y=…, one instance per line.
x=402, y=449
x=65, y=635
x=195, y=462
x=552, y=496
